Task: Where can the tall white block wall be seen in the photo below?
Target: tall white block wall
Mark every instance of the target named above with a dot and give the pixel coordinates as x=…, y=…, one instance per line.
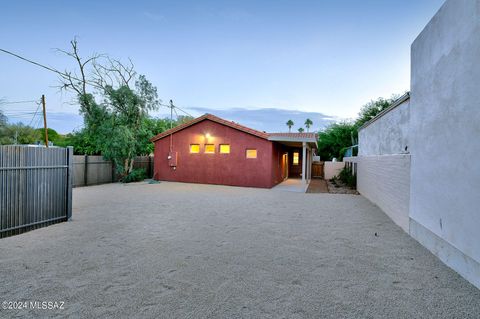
x=445, y=137
x=384, y=163
x=385, y=181
x=434, y=192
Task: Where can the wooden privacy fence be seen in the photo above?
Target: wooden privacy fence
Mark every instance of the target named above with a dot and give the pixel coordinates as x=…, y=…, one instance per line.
x=317, y=169
x=35, y=187
x=94, y=170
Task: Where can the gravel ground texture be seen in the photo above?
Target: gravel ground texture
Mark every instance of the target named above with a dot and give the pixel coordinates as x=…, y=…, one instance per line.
x=338, y=187
x=173, y=250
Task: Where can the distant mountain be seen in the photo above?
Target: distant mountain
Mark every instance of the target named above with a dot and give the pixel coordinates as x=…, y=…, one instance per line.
x=270, y=119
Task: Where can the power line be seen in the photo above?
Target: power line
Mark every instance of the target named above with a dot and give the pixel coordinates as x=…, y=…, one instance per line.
x=38, y=107
x=63, y=75
x=176, y=107
x=33, y=62
x=16, y=102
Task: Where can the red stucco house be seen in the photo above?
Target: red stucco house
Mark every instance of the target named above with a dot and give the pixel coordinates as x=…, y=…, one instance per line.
x=211, y=150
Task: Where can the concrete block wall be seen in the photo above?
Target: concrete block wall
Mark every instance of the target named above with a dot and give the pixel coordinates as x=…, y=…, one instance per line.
x=385, y=181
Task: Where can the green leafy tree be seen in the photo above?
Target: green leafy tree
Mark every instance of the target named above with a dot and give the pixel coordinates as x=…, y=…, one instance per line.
x=301, y=130
x=115, y=126
x=373, y=108
x=83, y=142
x=333, y=140
x=53, y=136
x=308, y=123
x=3, y=119
x=18, y=133
x=290, y=124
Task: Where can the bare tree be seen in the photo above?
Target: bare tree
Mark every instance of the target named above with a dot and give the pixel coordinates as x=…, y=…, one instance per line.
x=113, y=73
x=98, y=71
x=116, y=123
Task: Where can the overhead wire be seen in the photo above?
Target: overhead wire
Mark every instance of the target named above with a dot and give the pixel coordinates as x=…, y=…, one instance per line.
x=16, y=102
x=63, y=75
x=36, y=112
x=178, y=108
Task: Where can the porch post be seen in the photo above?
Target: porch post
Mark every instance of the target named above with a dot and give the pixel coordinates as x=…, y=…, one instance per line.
x=304, y=162
x=309, y=175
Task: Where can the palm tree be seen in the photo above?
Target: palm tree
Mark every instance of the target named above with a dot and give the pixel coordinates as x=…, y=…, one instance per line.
x=300, y=130
x=290, y=124
x=308, y=123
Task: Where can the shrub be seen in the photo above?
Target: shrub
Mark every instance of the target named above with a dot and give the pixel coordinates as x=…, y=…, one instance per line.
x=136, y=175
x=348, y=178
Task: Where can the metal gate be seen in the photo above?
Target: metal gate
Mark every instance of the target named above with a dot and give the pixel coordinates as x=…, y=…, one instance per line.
x=35, y=187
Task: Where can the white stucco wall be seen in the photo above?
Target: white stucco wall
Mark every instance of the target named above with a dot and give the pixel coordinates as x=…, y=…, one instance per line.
x=389, y=134
x=385, y=181
x=444, y=137
x=332, y=169
x=384, y=165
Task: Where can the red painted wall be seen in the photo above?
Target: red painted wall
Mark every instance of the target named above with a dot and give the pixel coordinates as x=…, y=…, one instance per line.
x=223, y=169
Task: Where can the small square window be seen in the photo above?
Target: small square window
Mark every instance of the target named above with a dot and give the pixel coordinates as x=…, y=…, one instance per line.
x=224, y=148
x=209, y=148
x=296, y=157
x=194, y=148
x=251, y=153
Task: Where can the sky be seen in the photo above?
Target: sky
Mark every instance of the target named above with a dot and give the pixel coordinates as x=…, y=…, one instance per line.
x=257, y=62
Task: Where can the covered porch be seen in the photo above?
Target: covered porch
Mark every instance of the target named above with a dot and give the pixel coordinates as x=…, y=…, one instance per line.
x=296, y=158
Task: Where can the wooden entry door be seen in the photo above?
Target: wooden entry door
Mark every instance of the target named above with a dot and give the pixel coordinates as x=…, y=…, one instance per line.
x=284, y=165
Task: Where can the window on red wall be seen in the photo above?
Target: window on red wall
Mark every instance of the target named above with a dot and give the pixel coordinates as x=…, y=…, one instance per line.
x=209, y=148
x=224, y=148
x=194, y=148
x=251, y=153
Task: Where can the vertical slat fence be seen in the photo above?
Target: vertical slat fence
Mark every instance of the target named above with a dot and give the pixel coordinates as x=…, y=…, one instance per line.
x=91, y=170
x=35, y=187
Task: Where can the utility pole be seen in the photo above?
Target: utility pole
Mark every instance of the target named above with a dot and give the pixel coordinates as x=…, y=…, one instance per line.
x=45, y=120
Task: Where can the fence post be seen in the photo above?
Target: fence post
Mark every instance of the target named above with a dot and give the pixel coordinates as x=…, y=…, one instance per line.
x=113, y=171
x=69, y=181
x=149, y=170
x=85, y=171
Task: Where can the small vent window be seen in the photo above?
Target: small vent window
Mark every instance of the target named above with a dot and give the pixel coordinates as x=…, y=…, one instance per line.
x=224, y=148
x=251, y=153
x=209, y=148
x=194, y=148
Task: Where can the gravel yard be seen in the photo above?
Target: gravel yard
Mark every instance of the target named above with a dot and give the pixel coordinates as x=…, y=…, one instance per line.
x=174, y=250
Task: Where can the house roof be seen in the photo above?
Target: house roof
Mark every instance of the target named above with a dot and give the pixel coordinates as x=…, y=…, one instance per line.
x=212, y=118
x=302, y=136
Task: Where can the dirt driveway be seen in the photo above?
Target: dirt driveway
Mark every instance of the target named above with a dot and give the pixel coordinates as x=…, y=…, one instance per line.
x=194, y=251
